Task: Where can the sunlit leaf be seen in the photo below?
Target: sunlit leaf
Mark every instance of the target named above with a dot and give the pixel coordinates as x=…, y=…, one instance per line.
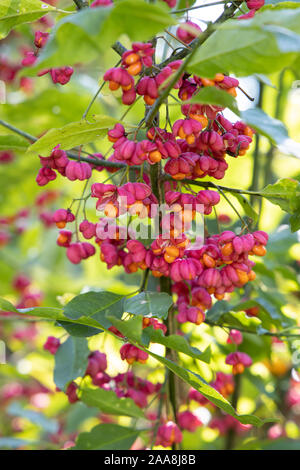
x=13, y=13
x=285, y=193
x=96, y=306
x=108, y=402
x=107, y=436
x=273, y=129
x=73, y=134
x=176, y=342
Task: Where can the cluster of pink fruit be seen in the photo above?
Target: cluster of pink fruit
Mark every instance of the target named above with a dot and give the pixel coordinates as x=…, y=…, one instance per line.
x=200, y=151
x=196, y=146
x=219, y=266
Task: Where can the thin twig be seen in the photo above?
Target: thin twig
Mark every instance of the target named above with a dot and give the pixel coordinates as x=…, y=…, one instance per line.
x=93, y=100
x=227, y=13
x=210, y=184
x=252, y=332
x=184, y=10
x=230, y=203
x=80, y=4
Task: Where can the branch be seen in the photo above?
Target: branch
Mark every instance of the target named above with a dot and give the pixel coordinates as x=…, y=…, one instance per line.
x=230, y=438
x=190, y=53
x=244, y=330
x=205, y=5
x=81, y=4
x=119, y=48
x=256, y=154
x=210, y=184
x=93, y=100
x=27, y=136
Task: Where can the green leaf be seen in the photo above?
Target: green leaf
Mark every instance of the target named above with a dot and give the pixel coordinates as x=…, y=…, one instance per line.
x=248, y=209
x=176, y=342
x=131, y=329
x=13, y=142
x=224, y=311
x=241, y=320
x=96, y=306
x=77, y=414
x=269, y=309
x=71, y=361
x=107, y=436
x=108, y=402
x=214, y=96
x=13, y=13
x=83, y=327
x=273, y=129
x=281, y=241
x=49, y=425
x=73, y=134
x=295, y=222
x=285, y=193
x=49, y=313
x=81, y=37
x=235, y=316
x=286, y=15
x=140, y=20
x=75, y=39
x=185, y=4
x=55, y=314
x=151, y=304
x=80, y=331
x=251, y=46
x=217, y=310
x=6, y=306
